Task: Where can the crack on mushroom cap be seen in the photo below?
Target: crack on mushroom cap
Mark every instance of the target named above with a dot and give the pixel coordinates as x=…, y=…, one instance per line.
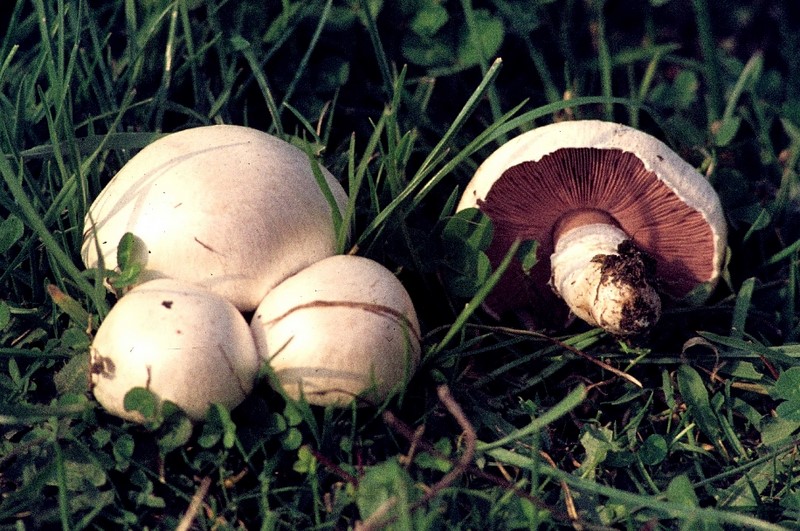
x=377, y=309
x=243, y=387
x=206, y=246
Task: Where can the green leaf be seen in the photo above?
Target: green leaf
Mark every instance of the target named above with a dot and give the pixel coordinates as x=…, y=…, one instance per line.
x=210, y=435
x=380, y=483
x=218, y=426
x=654, y=450
x=624, y=458
x=292, y=414
x=788, y=385
x=123, y=450
x=464, y=238
x=82, y=471
x=5, y=314
x=685, y=89
x=727, y=130
x=680, y=491
x=11, y=230
x=73, y=377
x=787, y=388
x=695, y=396
x=429, y=19
x=70, y=306
x=743, y=370
x=747, y=491
x=291, y=439
x=788, y=410
x=597, y=442
x=432, y=462
x=776, y=431
x=466, y=271
x=426, y=51
x=306, y=461
x=527, y=255
x=277, y=424
x=125, y=250
x=483, y=41
x=742, y=307
x=127, y=277
x=175, y=432
x=761, y=222
x=131, y=259
x=76, y=339
x=470, y=226
x=143, y=401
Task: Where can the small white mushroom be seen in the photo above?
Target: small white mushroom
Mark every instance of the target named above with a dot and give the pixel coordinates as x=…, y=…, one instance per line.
x=341, y=328
x=182, y=342
x=230, y=208
x=617, y=214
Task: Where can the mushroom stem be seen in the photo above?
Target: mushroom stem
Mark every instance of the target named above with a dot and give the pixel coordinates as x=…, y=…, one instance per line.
x=604, y=279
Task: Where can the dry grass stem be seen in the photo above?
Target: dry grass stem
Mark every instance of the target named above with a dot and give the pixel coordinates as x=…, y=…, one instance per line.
x=197, y=500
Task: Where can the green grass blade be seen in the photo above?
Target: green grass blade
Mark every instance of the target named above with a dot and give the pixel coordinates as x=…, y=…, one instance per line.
x=59, y=256
x=711, y=67
x=604, y=60
x=742, y=307
x=303, y=64
x=247, y=52
x=377, y=46
x=564, y=407
x=708, y=516
x=476, y=300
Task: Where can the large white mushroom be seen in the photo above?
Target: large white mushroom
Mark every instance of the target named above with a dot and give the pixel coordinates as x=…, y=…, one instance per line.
x=619, y=217
x=230, y=208
x=182, y=342
x=343, y=327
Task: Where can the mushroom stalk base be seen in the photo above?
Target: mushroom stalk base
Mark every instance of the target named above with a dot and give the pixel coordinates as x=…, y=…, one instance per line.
x=604, y=279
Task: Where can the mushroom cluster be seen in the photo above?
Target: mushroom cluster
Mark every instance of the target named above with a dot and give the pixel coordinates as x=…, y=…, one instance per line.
x=620, y=218
x=224, y=217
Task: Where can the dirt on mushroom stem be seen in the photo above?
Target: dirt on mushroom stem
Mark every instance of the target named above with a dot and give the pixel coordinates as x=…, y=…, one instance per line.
x=635, y=268
x=602, y=276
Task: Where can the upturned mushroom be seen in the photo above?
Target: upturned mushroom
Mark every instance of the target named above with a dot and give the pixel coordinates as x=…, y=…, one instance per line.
x=620, y=218
x=182, y=342
x=230, y=208
x=341, y=328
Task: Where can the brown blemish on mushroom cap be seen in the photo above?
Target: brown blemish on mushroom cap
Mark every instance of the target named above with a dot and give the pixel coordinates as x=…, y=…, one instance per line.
x=530, y=198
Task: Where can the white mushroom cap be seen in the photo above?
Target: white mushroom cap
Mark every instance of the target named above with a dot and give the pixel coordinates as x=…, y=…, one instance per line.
x=536, y=181
x=183, y=343
x=230, y=208
x=342, y=327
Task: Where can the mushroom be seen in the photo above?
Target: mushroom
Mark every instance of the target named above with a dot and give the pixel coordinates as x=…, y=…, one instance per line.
x=230, y=208
x=618, y=217
x=182, y=342
x=345, y=326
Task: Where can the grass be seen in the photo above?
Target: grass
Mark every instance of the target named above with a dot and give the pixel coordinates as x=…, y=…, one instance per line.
x=693, y=427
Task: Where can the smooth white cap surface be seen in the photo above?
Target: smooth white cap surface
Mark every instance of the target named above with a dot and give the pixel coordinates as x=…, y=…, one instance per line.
x=230, y=208
x=182, y=342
